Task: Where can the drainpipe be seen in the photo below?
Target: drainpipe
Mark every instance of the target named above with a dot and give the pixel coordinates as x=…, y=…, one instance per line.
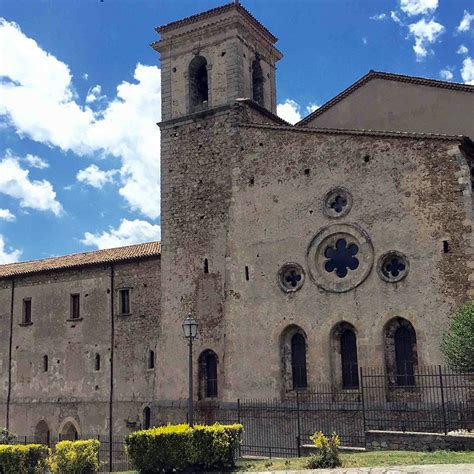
x=10, y=349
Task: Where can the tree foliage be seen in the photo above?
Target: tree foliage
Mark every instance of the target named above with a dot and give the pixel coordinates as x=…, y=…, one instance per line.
x=458, y=341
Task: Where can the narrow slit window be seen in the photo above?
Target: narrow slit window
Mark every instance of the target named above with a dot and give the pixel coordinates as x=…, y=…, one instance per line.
x=445, y=246
x=75, y=307
x=206, y=266
x=124, y=301
x=27, y=311
x=97, y=362
x=146, y=418
x=247, y=274
x=45, y=363
x=151, y=359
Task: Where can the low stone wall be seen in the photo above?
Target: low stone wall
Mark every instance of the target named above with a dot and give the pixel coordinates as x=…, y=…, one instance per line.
x=409, y=441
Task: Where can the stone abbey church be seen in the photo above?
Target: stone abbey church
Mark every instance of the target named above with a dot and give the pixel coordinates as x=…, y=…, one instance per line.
x=304, y=252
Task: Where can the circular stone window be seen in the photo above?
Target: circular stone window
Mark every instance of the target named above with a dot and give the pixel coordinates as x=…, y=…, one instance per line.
x=337, y=202
x=291, y=277
x=340, y=257
x=393, y=266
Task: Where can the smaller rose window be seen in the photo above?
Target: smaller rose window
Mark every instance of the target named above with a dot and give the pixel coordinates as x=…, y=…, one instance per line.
x=337, y=202
x=291, y=277
x=341, y=258
x=393, y=266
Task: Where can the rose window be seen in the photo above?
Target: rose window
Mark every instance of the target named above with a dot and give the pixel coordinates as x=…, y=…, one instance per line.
x=341, y=258
x=393, y=266
x=291, y=277
x=338, y=203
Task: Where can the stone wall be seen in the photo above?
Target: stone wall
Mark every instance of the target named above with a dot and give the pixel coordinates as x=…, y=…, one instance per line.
x=409, y=441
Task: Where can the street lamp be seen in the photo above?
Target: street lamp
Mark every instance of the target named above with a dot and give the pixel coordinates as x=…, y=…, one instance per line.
x=190, y=330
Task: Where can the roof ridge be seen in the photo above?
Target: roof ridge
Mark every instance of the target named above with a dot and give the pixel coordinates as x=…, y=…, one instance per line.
x=458, y=86
x=213, y=11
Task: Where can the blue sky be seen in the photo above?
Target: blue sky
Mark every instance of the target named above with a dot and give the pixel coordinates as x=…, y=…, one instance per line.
x=80, y=97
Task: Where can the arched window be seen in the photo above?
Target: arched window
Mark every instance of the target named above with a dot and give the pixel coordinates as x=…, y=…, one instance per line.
x=151, y=359
x=97, y=362
x=45, y=363
x=69, y=432
x=208, y=374
x=400, y=352
x=42, y=434
x=349, y=365
x=257, y=82
x=198, y=84
x=146, y=418
x=298, y=360
x=293, y=342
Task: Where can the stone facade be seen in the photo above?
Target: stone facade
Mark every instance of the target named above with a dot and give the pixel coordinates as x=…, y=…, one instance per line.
x=279, y=240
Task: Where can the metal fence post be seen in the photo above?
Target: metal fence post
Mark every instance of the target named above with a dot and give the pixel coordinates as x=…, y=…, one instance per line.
x=362, y=396
x=443, y=403
x=238, y=421
x=298, y=437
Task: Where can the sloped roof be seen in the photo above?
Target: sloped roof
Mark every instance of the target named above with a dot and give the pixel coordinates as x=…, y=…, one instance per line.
x=456, y=86
x=215, y=11
x=78, y=260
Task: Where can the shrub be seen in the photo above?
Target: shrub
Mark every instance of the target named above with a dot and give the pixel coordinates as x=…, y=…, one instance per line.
x=24, y=459
x=458, y=342
x=327, y=455
x=76, y=457
x=177, y=447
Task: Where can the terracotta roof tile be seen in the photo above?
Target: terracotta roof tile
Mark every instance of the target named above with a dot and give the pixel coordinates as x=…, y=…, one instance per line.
x=456, y=86
x=77, y=260
x=215, y=11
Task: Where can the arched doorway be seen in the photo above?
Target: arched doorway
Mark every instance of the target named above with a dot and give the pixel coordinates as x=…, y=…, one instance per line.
x=42, y=433
x=69, y=432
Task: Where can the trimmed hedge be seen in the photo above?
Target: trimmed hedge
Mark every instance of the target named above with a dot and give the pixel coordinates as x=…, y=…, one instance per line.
x=76, y=457
x=178, y=447
x=24, y=459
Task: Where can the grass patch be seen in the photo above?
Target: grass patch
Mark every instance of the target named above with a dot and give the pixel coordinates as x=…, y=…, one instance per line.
x=368, y=459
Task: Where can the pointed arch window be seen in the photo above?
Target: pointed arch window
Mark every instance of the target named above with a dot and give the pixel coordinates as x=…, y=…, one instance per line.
x=198, y=83
x=349, y=364
x=298, y=360
x=208, y=374
x=257, y=82
x=404, y=342
x=146, y=418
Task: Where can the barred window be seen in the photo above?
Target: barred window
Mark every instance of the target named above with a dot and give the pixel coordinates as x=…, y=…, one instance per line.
x=27, y=311
x=124, y=301
x=208, y=374
x=350, y=368
x=75, y=306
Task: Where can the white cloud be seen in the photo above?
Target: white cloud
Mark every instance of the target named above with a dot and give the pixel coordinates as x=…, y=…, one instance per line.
x=128, y=232
x=310, y=108
x=5, y=255
x=94, y=94
x=465, y=24
x=95, y=177
x=36, y=162
x=425, y=33
x=6, y=215
x=289, y=111
x=394, y=16
x=15, y=182
x=418, y=7
x=467, y=71
x=446, y=74
x=378, y=17
x=462, y=50
x=364, y=40
x=85, y=76
x=37, y=97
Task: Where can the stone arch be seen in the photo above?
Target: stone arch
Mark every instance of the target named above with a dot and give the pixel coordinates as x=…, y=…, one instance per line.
x=344, y=358
x=70, y=429
x=42, y=433
x=198, y=84
x=257, y=82
x=208, y=364
x=293, y=349
x=401, y=358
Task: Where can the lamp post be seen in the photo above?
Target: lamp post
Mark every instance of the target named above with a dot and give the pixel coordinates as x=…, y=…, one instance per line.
x=190, y=330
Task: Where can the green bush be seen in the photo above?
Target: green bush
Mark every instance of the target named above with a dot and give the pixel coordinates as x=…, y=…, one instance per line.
x=177, y=447
x=76, y=457
x=6, y=437
x=458, y=342
x=24, y=459
x=327, y=455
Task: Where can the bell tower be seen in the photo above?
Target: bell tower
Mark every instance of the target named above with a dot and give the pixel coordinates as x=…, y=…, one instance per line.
x=210, y=59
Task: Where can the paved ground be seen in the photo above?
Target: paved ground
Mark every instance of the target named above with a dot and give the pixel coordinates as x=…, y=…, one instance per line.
x=428, y=468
